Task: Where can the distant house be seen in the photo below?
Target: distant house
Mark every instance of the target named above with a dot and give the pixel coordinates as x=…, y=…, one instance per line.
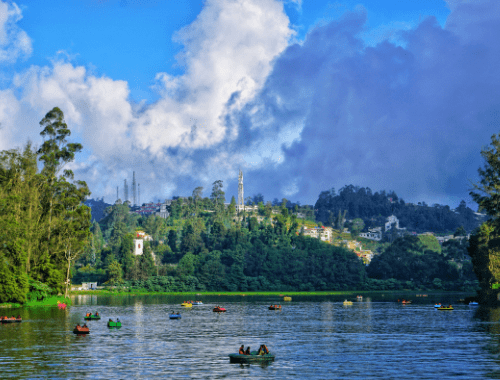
x=392, y=220
x=89, y=286
x=322, y=233
x=372, y=234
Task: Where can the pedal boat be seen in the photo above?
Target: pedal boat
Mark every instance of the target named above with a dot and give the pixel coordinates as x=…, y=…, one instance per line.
x=252, y=358
x=80, y=330
x=445, y=308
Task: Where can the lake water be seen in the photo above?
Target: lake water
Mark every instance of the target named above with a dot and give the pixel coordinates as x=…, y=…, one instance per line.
x=312, y=338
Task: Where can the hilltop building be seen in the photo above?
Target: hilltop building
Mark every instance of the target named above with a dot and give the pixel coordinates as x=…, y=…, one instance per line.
x=322, y=233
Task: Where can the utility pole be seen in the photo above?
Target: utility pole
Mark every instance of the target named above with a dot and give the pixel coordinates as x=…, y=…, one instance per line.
x=139, y=193
x=117, y=194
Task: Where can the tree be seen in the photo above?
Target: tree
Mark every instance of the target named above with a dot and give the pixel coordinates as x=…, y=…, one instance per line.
x=460, y=231
x=115, y=273
x=486, y=193
x=232, y=206
x=218, y=197
x=197, y=199
x=357, y=226
x=484, y=244
x=55, y=153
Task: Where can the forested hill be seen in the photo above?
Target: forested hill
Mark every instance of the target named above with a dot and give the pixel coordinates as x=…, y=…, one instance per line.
x=97, y=207
x=374, y=208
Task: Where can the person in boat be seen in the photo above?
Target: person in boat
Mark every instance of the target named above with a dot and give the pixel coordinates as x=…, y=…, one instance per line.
x=110, y=320
x=96, y=314
x=247, y=352
x=263, y=350
x=77, y=326
x=18, y=317
x=84, y=326
x=242, y=350
x=117, y=320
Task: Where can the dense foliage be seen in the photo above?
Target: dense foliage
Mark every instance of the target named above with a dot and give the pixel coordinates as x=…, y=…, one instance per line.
x=43, y=224
x=410, y=262
x=374, y=208
x=203, y=246
x=485, y=242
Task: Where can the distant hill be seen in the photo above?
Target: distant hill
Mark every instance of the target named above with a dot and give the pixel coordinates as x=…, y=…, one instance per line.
x=97, y=207
x=373, y=208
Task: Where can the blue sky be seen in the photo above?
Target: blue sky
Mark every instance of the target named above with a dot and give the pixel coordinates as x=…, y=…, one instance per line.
x=302, y=95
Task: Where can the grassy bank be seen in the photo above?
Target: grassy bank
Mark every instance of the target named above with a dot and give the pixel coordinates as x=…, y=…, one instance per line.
x=49, y=301
x=280, y=294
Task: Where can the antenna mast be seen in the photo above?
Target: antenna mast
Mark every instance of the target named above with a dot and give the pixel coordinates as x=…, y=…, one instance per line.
x=241, y=206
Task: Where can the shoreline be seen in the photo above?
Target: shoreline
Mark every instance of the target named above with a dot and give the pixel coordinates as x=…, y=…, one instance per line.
x=280, y=294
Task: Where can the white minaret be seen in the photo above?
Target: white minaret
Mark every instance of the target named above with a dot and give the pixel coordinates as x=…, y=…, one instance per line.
x=240, y=206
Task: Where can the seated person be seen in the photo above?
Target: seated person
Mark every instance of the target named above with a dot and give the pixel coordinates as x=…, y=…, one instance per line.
x=242, y=350
x=247, y=352
x=84, y=326
x=263, y=350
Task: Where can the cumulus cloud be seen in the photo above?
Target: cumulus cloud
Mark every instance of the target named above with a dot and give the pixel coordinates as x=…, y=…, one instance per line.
x=227, y=55
x=300, y=118
x=411, y=119
x=14, y=42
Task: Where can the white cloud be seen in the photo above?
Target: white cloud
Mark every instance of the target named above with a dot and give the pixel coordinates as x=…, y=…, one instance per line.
x=228, y=53
x=14, y=42
x=228, y=48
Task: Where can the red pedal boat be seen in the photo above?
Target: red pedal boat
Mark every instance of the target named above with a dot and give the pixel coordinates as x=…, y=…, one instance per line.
x=219, y=309
x=81, y=330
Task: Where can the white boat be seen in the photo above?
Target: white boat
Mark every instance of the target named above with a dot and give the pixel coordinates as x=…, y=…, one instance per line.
x=473, y=303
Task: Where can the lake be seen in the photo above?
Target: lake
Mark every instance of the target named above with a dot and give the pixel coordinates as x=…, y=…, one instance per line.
x=312, y=337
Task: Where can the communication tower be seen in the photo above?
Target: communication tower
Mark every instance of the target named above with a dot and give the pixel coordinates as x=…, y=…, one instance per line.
x=134, y=189
x=241, y=206
x=125, y=191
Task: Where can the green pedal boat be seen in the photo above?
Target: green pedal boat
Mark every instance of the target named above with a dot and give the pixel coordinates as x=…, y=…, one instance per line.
x=252, y=358
x=92, y=317
x=114, y=324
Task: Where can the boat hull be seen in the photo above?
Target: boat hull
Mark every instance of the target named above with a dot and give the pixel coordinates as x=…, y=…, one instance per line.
x=114, y=324
x=219, y=310
x=254, y=358
x=175, y=316
x=444, y=308
x=81, y=330
x=274, y=308
x=11, y=320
